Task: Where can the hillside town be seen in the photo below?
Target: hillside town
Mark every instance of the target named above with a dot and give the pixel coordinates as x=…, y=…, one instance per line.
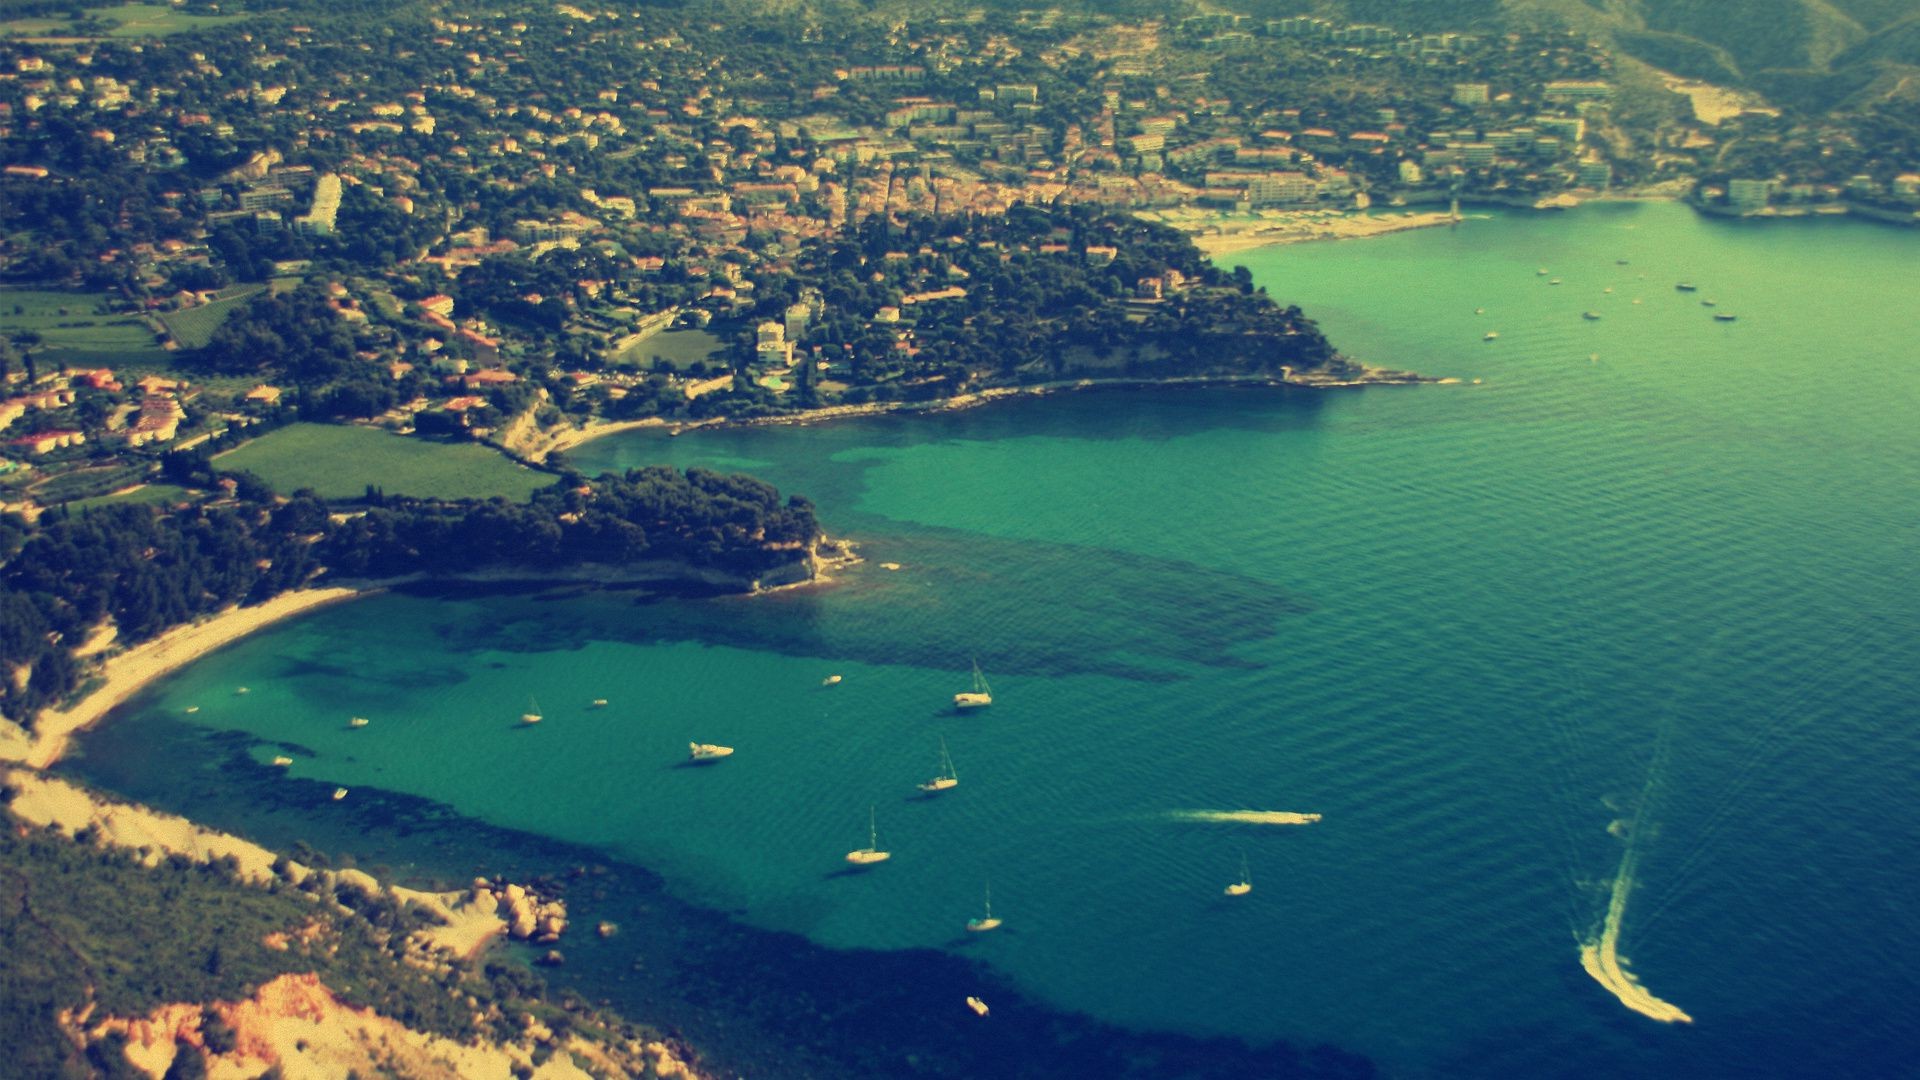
x=488, y=222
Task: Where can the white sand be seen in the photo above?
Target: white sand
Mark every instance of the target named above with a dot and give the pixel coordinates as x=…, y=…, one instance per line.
x=127, y=672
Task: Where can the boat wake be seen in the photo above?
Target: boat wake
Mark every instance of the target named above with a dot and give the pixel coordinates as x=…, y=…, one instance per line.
x=1601, y=958
x=1246, y=817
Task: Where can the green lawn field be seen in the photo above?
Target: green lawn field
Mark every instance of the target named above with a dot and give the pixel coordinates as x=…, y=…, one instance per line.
x=340, y=462
x=194, y=327
x=76, y=323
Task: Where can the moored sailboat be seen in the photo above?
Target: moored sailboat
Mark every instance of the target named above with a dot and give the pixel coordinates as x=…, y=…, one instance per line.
x=987, y=921
x=979, y=697
x=870, y=854
x=532, y=715
x=1245, y=884
x=947, y=777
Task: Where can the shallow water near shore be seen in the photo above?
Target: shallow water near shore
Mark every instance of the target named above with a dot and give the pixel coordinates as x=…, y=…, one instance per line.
x=1652, y=566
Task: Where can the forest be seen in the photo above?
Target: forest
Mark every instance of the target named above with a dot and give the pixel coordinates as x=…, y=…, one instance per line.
x=144, y=569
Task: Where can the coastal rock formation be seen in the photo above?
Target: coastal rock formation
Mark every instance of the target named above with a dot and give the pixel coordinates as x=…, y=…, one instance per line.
x=295, y=1024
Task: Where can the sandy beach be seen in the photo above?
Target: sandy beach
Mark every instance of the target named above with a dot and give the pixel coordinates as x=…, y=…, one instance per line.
x=1218, y=233
x=127, y=672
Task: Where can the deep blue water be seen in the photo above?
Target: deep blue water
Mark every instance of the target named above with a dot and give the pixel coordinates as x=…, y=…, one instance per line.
x=1647, y=568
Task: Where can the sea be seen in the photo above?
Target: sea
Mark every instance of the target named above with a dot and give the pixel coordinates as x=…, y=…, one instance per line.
x=1632, y=593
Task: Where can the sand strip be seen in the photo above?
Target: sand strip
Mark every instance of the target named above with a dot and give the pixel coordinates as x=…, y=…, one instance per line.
x=128, y=672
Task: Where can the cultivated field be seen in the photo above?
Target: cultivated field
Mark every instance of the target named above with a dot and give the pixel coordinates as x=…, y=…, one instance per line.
x=129, y=21
x=340, y=462
x=76, y=323
x=194, y=327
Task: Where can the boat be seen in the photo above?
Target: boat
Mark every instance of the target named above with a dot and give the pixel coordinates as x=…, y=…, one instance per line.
x=1686, y=286
x=1590, y=315
x=947, y=778
x=1709, y=302
x=1608, y=289
x=1542, y=272
x=979, y=1007
x=979, y=697
x=532, y=715
x=1724, y=316
x=599, y=703
x=870, y=854
x=339, y=793
x=1479, y=311
x=985, y=922
x=703, y=752
x=282, y=761
x=831, y=680
x=358, y=721
x=1245, y=884
x=240, y=690
x=191, y=709
x=1554, y=281
x=1490, y=335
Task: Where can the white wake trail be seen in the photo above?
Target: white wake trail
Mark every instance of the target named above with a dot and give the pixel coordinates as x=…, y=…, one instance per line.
x=1601, y=956
x=1247, y=817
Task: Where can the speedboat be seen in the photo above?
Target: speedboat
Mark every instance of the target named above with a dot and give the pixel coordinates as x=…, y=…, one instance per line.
x=701, y=752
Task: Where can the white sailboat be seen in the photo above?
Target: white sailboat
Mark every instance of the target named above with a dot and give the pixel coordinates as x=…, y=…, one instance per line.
x=979, y=697
x=870, y=854
x=831, y=680
x=987, y=921
x=979, y=1007
x=532, y=715
x=1245, y=884
x=358, y=721
x=947, y=778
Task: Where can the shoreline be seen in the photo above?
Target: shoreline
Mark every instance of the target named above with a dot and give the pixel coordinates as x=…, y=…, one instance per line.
x=1369, y=376
x=127, y=673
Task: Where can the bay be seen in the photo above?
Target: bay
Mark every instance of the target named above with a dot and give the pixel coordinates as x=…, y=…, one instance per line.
x=1647, y=567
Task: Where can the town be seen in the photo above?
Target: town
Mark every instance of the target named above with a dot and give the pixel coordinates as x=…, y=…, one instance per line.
x=507, y=222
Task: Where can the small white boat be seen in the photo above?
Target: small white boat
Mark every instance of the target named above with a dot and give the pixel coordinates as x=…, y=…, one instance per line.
x=1245, y=884
x=282, y=762
x=979, y=697
x=831, y=680
x=1491, y=335
x=1542, y=272
x=1555, y=281
x=240, y=690
x=870, y=854
x=339, y=793
x=979, y=1007
x=358, y=721
x=702, y=752
x=599, y=703
x=532, y=715
x=947, y=777
x=987, y=921
x=191, y=709
x=1479, y=311
x=1608, y=289
x=889, y=566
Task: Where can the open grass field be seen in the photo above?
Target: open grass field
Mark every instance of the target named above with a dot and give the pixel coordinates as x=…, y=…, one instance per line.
x=677, y=347
x=129, y=21
x=194, y=327
x=340, y=462
x=146, y=494
x=76, y=323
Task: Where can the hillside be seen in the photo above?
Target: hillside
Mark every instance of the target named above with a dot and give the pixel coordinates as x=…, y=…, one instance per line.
x=1812, y=55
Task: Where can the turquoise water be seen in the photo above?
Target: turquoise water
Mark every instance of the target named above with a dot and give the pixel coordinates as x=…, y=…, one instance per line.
x=1648, y=565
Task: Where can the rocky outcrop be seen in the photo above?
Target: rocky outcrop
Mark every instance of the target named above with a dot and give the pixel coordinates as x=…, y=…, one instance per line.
x=296, y=1024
